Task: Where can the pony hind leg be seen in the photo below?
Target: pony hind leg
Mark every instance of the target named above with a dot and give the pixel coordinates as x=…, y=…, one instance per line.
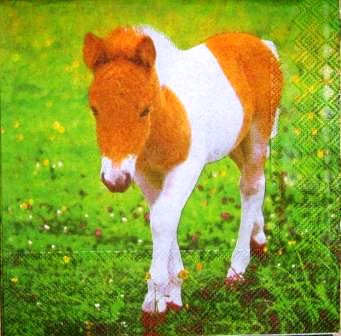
x=250, y=158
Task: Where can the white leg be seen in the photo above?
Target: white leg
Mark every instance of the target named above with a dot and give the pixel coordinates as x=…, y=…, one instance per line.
x=164, y=217
x=258, y=234
x=252, y=196
x=175, y=265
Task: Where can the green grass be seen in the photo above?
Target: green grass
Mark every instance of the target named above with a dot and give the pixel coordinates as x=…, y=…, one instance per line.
x=53, y=201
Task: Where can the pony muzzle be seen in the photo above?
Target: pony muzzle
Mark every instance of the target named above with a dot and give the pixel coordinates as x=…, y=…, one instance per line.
x=118, y=178
x=121, y=184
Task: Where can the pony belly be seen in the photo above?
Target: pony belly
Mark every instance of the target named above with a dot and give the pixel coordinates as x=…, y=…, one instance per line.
x=223, y=136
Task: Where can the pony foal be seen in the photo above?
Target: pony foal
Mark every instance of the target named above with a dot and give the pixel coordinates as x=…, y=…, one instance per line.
x=163, y=113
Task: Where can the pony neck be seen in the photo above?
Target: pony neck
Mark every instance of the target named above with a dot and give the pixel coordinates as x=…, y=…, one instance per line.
x=169, y=139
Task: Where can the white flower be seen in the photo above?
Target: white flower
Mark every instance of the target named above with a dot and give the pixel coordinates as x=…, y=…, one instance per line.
x=86, y=215
x=59, y=212
x=60, y=164
x=112, y=214
x=140, y=241
x=124, y=219
x=97, y=306
x=29, y=242
x=46, y=227
x=53, y=246
x=65, y=229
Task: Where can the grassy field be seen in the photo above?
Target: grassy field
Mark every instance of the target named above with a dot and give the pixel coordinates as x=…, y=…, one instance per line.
x=74, y=255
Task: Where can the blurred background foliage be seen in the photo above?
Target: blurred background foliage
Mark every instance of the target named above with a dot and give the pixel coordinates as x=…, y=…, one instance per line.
x=75, y=255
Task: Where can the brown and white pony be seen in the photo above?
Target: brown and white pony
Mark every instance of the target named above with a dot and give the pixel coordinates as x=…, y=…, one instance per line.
x=163, y=113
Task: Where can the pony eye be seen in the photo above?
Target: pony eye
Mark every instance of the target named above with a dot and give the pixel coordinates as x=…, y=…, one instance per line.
x=94, y=111
x=145, y=112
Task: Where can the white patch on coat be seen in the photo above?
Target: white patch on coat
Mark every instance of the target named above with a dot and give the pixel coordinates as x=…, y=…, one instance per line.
x=166, y=52
x=214, y=110
x=113, y=172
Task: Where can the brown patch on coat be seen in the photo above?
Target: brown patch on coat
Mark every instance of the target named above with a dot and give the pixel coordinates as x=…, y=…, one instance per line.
x=169, y=140
x=254, y=73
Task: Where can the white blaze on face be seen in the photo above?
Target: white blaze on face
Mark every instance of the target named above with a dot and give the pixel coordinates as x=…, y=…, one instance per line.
x=111, y=173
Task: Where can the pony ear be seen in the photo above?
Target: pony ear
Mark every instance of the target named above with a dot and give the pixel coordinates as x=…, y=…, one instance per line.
x=94, y=53
x=145, y=52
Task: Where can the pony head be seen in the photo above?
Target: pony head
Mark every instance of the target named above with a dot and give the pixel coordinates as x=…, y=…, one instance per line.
x=121, y=96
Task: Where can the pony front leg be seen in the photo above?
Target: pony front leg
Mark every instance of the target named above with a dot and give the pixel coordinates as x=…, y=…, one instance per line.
x=164, y=217
x=175, y=266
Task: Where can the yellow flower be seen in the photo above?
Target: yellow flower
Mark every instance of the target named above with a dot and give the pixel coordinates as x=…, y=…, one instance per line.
x=186, y=306
x=183, y=274
x=314, y=131
x=310, y=115
x=75, y=64
x=46, y=162
x=30, y=201
x=23, y=205
x=223, y=173
x=265, y=249
x=320, y=153
x=49, y=41
x=297, y=131
x=291, y=242
x=147, y=276
x=295, y=78
x=66, y=259
x=199, y=266
x=311, y=88
x=58, y=127
x=14, y=280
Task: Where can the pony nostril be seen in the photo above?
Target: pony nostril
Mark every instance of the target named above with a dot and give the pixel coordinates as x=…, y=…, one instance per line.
x=127, y=178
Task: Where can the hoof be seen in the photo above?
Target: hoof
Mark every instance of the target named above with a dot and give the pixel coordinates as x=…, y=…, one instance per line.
x=258, y=250
x=152, y=320
x=173, y=306
x=234, y=281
